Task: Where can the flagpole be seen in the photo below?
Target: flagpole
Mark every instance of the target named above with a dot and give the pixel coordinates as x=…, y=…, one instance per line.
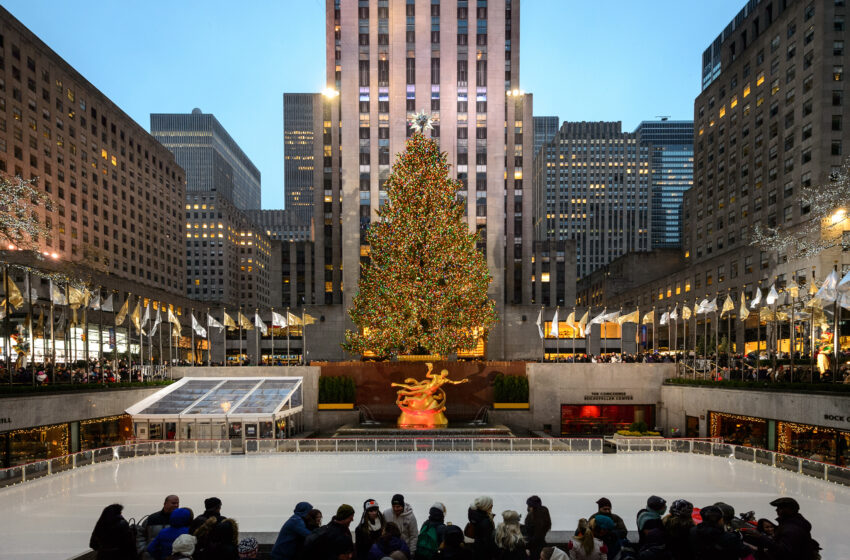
x=239, y=317
x=224, y=332
x=792, y=335
x=52, y=339
x=558, y=338
x=716, y=333
x=259, y=334
x=32, y=333
x=288, y=331
x=7, y=347
x=773, y=350
x=573, y=328
x=209, y=342
x=621, y=335
x=836, y=343
x=192, y=311
x=729, y=338
x=272, y=360
x=303, y=336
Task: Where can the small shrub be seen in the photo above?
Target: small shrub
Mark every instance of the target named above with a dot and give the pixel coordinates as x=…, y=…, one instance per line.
x=510, y=388
x=639, y=427
x=338, y=389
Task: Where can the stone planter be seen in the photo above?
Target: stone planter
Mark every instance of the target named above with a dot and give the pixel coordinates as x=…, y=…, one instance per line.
x=336, y=406
x=510, y=406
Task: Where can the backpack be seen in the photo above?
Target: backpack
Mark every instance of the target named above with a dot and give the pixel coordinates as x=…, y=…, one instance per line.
x=315, y=543
x=139, y=531
x=427, y=543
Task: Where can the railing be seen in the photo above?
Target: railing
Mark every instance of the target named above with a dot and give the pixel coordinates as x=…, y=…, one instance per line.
x=808, y=467
x=424, y=445
x=712, y=447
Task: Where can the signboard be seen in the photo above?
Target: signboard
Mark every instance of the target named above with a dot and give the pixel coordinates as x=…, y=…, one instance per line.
x=608, y=396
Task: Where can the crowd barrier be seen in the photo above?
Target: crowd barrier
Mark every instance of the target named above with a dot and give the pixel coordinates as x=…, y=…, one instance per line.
x=39, y=469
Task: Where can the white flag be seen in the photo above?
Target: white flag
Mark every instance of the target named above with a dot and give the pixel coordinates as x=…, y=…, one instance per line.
x=156, y=322
x=196, y=326
x=828, y=290
x=675, y=314
x=106, y=305
x=212, y=323
x=665, y=318
x=772, y=295
x=844, y=285
x=96, y=302
x=259, y=324
x=278, y=320
x=555, y=330
x=147, y=317
x=756, y=301
x=57, y=295
x=540, y=323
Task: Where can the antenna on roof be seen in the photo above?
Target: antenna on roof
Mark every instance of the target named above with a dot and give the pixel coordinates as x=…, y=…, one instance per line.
x=662, y=117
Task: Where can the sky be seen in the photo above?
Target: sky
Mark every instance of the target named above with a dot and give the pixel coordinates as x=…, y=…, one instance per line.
x=618, y=60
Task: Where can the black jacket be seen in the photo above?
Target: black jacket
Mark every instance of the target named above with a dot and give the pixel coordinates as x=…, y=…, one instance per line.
x=538, y=523
x=113, y=542
x=328, y=542
x=484, y=547
x=713, y=542
x=792, y=539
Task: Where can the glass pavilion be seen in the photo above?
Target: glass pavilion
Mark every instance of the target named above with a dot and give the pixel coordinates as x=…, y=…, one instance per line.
x=235, y=408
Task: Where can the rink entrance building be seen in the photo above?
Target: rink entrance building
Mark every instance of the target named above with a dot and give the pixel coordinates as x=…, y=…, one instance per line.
x=216, y=408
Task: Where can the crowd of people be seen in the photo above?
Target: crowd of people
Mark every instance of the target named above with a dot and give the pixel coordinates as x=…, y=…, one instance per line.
x=680, y=533
x=93, y=371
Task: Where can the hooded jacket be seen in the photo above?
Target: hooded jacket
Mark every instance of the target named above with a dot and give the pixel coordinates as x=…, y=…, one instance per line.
x=292, y=534
x=436, y=519
x=160, y=547
x=406, y=523
x=385, y=547
x=792, y=539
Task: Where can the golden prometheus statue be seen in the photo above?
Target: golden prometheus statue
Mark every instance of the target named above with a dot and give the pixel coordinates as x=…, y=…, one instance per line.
x=422, y=403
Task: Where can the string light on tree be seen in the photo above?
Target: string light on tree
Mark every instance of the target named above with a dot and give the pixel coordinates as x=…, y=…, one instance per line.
x=424, y=289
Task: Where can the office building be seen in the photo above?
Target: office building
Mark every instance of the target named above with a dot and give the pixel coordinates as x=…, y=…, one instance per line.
x=596, y=181
x=672, y=173
x=117, y=193
x=211, y=158
x=299, y=111
x=386, y=60
x=545, y=129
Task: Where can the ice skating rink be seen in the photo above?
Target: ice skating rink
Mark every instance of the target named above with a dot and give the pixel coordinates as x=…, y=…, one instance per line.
x=52, y=518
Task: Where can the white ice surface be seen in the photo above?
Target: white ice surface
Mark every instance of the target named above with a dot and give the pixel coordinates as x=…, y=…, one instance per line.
x=52, y=518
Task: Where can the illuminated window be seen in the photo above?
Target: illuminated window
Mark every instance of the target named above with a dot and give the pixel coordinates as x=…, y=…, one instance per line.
x=760, y=79
x=103, y=154
x=747, y=90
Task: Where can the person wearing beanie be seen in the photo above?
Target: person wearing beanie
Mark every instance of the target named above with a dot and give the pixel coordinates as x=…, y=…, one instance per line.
x=649, y=518
x=248, y=548
x=432, y=534
x=792, y=537
x=604, y=529
x=370, y=528
x=538, y=523
x=402, y=515
x=389, y=543
x=677, y=529
x=710, y=539
x=212, y=508
x=183, y=547
x=509, y=541
x=584, y=545
x=604, y=508
x=480, y=516
x=292, y=534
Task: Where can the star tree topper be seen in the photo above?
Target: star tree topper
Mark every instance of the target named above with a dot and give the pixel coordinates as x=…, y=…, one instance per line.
x=422, y=121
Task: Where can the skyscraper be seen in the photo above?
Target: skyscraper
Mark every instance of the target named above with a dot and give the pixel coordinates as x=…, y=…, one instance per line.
x=299, y=110
x=596, y=182
x=212, y=159
x=672, y=150
x=545, y=129
x=458, y=60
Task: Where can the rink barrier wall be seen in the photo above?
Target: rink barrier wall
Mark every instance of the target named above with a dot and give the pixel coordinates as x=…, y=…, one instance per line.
x=39, y=469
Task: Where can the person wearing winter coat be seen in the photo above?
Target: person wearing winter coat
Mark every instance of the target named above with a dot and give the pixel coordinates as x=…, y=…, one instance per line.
x=480, y=518
x=212, y=508
x=711, y=541
x=183, y=548
x=370, y=528
x=792, y=537
x=292, y=534
x=677, y=529
x=402, y=515
x=389, y=542
x=553, y=553
x=584, y=546
x=453, y=546
x=605, y=530
x=154, y=523
x=509, y=541
x=436, y=520
x=179, y=520
x=112, y=538
x=538, y=523
x=604, y=508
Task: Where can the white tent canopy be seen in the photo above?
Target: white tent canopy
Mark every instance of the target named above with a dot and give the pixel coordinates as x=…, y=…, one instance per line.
x=222, y=400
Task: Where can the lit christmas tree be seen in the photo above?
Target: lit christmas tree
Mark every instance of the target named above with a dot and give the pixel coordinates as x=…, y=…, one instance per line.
x=425, y=287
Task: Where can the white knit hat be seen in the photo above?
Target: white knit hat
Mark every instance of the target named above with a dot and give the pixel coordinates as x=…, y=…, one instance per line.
x=185, y=544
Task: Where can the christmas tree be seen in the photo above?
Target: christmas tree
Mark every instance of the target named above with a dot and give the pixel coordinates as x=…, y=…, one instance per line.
x=424, y=289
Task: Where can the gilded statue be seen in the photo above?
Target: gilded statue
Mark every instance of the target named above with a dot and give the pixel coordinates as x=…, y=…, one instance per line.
x=423, y=403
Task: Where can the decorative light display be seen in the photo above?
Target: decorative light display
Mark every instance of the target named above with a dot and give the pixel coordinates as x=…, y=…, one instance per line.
x=425, y=285
x=717, y=416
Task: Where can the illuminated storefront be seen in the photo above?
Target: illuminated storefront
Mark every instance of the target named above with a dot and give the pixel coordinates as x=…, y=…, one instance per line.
x=603, y=419
x=748, y=431
x=817, y=443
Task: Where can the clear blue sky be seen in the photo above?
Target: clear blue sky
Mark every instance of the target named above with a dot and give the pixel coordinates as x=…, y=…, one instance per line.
x=627, y=60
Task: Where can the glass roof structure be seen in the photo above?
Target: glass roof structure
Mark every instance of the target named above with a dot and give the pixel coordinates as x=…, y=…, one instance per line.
x=223, y=397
